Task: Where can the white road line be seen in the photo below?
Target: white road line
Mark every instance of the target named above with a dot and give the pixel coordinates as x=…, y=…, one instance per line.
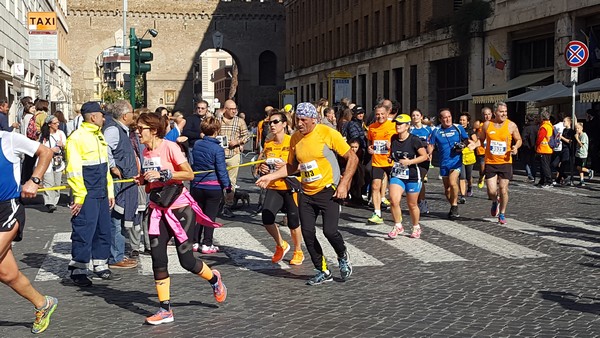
x=416, y=248
x=357, y=256
x=55, y=265
x=145, y=263
x=546, y=233
x=482, y=240
x=245, y=250
x=577, y=222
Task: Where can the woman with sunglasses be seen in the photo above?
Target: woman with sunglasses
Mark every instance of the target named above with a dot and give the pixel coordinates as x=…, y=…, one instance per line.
x=282, y=193
x=207, y=186
x=54, y=138
x=407, y=151
x=164, y=167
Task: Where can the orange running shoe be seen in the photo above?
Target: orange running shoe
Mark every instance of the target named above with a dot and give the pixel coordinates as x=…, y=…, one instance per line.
x=219, y=289
x=297, y=258
x=162, y=316
x=280, y=251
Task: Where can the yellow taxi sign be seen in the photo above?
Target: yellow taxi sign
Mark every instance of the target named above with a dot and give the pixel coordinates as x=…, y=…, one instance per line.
x=41, y=21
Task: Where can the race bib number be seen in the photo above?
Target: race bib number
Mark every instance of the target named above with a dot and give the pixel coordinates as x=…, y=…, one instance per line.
x=497, y=147
x=272, y=163
x=400, y=171
x=309, y=172
x=380, y=147
x=152, y=163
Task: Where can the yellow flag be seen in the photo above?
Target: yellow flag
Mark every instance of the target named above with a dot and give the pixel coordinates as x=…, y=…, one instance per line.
x=494, y=53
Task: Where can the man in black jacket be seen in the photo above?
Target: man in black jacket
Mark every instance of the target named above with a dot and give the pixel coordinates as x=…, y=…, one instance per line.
x=192, y=126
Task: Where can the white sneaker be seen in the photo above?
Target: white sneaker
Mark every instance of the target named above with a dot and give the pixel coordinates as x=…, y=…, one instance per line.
x=195, y=247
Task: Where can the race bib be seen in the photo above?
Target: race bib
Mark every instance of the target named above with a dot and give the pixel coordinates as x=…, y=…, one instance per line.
x=400, y=171
x=497, y=147
x=309, y=172
x=272, y=163
x=380, y=147
x=152, y=163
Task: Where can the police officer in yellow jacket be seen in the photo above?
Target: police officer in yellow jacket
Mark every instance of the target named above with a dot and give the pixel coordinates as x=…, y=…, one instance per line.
x=93, y=196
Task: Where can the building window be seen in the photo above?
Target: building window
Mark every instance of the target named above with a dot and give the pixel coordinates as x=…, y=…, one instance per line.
x=413, y=87
x=366, y=32
x=376, y=25
x=356, y=37
x=398, y=86
x=374, y=95
x=452, y=81
x=388, y=25
x=363, y=89
x=534, y=55
x=386, y=84
x=267, y=68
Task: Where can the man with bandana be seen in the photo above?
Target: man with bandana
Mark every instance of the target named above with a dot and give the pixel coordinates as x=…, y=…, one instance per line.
x=313, y=153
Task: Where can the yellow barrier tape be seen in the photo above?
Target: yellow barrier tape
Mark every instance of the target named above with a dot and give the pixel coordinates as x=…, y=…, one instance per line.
x=63, y=187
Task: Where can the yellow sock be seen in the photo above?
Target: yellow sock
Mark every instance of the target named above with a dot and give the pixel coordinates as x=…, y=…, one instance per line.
x=206, y=272
x=163, y=288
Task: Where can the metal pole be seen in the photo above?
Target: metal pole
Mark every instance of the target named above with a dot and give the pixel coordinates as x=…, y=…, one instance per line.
x=571, y=145
x=43, y=79
x=132, y=60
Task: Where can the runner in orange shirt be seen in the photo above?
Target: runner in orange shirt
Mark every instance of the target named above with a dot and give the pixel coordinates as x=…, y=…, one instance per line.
x=486, y=113
x=499, y=134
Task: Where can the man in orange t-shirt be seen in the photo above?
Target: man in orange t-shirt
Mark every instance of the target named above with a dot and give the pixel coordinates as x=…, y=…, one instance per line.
x=503, y=140
x=379, y=136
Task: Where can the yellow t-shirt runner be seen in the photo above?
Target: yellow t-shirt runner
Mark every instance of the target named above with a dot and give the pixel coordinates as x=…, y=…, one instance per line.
x=315, y=156
x=380, y=135
x=274, y=153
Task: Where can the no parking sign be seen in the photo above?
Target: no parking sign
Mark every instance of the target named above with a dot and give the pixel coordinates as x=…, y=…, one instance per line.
x=576, y=53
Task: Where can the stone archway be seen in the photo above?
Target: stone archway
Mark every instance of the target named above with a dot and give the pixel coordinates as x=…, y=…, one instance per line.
x=185, y=31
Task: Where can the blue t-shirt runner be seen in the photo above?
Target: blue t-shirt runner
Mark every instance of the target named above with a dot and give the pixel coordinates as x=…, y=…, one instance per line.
x=445, y=140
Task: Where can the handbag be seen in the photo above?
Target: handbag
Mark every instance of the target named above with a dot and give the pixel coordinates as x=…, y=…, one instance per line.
x=166, y=195
x=468, y=156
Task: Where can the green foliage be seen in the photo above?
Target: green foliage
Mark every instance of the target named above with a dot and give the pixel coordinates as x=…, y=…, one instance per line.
x=111, y=95
x=463, y=20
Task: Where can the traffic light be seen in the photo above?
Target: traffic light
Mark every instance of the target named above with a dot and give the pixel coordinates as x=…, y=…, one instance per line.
x=144, y=57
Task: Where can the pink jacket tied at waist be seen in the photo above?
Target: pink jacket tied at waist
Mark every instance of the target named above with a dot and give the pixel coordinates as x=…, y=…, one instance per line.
x=183, y=200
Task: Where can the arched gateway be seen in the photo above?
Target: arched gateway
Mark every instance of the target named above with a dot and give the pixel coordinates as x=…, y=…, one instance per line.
x=186, y=29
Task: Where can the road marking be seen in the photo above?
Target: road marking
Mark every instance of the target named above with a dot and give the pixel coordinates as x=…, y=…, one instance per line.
x=480, y=239
x=546, y=233
x=357, y=256
x=55, y=265
x=577, y=222
x=416, y=248
x=245, y=250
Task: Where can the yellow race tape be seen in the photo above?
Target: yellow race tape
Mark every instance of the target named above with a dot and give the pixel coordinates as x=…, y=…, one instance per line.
x=63, y=187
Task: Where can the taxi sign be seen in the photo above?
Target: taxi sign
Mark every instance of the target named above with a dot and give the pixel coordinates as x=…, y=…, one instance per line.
x=576, y=53
x=41, y=21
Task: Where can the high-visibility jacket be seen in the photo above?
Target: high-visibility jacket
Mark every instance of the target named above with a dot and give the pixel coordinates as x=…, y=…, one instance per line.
x=544, y=134
x=88, y=174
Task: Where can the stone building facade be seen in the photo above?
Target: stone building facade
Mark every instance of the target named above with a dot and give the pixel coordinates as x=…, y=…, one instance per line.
x=407, y=50
x=185, y=30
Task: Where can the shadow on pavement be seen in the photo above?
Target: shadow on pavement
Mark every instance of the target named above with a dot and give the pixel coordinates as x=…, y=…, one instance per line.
x=573, y=302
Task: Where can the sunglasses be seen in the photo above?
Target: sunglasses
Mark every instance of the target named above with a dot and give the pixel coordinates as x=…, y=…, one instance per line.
x=274, y=122
x=141, y=128
x=201, y=108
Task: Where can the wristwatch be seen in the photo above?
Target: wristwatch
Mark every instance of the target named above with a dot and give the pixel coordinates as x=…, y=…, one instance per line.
x=35, y=180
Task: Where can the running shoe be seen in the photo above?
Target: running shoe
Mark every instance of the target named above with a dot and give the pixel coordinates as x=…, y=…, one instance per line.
x=501, y=219
x=345, y=266
x=396, y=230
x=81, y=280
x=209, y=249
x=453, y=214
x=481, y=182
x=590, y=174
x=582, y=184
x=320, y=278
x=42, y=316
x=385, y=202
x=219, y=289
x=416, y=232
x=106, y=275
x=495, y=209
x=280, y=251
x=195, y=247
x=470, y=192
x=375, y=219
x=425, y=207
x=297, y=258
x=161, y=317
x=462, y=200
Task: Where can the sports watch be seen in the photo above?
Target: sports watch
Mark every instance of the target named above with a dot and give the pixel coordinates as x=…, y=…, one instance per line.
x=35, y=180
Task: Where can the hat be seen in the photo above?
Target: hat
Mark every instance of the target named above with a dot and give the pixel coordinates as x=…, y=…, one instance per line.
x=402, y=118
x=358, y=110
x=288, y=107
x=306, y=109
x=91, y=107
x=49, y=119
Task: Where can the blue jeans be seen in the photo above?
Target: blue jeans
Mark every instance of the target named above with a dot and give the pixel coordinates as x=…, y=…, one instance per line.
x=117, y=239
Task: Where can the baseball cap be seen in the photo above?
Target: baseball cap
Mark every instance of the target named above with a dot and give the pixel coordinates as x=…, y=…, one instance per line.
x=287, y=108
x=91, y=107
x=358, y=110
x=402, y=118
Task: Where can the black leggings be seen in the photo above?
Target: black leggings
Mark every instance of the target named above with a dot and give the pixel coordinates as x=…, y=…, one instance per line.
x=274, y=201
x=310, y=207
x=158, y=244
x=209, y=201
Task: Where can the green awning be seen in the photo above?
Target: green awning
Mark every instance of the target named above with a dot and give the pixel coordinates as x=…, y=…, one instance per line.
x=500, y=93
